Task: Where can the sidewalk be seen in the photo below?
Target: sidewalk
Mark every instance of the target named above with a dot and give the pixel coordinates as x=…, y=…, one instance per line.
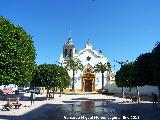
x=59, y=106
x=26, y=105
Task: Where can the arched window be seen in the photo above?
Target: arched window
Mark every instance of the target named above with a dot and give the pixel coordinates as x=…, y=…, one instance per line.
x=65, y=53
x=70, y=53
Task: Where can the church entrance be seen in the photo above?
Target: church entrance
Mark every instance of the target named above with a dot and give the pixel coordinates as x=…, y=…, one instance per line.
x=88, y=86
x=88, y=81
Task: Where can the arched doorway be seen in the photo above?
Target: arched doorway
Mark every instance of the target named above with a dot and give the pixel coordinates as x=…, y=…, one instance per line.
x=88, y=81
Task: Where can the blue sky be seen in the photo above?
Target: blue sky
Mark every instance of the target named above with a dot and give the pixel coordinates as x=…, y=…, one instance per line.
x=122, y=29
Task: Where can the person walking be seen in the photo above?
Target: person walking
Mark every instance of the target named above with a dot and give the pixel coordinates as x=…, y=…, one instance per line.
x=32, y=97
x=155, y=100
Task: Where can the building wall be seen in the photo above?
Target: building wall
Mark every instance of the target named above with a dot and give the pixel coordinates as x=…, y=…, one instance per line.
x=145, y=90
x=93, y=61
x=95, y=58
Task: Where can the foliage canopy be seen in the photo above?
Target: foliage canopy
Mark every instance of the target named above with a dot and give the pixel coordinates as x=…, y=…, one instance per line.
x=100, y=67
x=17, y=54
x=51, y=76
x=73, y=64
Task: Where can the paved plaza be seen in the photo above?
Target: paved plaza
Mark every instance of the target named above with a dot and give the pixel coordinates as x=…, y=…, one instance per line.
x=89, y=106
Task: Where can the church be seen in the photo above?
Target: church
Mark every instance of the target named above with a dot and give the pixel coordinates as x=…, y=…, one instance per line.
x=86, y=80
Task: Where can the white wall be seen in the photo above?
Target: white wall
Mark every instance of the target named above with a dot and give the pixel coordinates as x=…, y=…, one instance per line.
x=96, y=57
x=145, y=90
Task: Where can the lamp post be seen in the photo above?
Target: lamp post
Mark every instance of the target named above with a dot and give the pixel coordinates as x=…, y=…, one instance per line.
x=121, y=63
x=59, y=63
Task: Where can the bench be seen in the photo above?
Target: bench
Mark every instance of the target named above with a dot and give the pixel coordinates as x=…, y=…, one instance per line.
x=12, y=102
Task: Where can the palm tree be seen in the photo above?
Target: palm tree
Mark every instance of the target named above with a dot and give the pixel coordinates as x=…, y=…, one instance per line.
x=100, y=67
x=73, y=64
x=109, y=71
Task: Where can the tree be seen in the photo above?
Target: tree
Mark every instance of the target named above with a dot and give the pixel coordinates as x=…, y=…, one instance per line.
x=73, y=64
x=17, y=61
x=109, y=71
x=120, y=79
x=52, y=77
x=144, y=69
x=63, y=78
x=122, y=63
x=100, y=67
x=36, y=81
x=46, y=76
x=148, y=68
x=125, y=77
x=156, y=66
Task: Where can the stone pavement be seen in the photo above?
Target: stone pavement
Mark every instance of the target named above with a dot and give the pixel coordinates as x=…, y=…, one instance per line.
x=86, y=106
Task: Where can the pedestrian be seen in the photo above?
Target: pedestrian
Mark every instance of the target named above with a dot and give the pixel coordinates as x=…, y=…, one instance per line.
x=32, y=97
x=154, y=98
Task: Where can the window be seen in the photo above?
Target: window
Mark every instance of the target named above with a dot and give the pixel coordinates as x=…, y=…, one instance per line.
x=65, y=53
x=70, y=53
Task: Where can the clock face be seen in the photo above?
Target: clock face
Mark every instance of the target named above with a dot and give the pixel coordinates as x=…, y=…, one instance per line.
x=88, y=58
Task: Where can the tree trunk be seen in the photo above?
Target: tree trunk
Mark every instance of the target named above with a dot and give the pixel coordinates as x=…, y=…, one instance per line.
x=73, y=80
x=122, y=92
x=109, y=77
x=102, y=81
x=55, y=89
x=159, y=90
x=61, y=90
x=53, y=92
x=47, y=93
x=138, y=98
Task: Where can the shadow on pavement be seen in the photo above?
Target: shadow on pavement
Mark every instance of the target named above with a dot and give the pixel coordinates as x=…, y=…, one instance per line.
x=91, y=108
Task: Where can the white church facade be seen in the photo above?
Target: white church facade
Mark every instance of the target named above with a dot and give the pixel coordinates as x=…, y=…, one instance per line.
x=89, y=81
x=86, y=80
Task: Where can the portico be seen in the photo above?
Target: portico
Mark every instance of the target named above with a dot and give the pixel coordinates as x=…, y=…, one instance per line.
x=88, y=81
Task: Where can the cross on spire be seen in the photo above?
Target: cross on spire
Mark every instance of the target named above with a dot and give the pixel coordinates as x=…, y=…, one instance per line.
x=70, y=33
x=69, y=40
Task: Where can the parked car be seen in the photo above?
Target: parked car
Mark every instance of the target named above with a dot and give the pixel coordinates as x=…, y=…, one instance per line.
x=13, y=87
x=7, y=90
x=36, y=92
x=24, y=89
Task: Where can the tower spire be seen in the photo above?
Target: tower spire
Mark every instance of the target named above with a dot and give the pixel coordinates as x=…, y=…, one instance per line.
x=88, y=44
x=68, y=48
x=69, y=40
x=88, y=41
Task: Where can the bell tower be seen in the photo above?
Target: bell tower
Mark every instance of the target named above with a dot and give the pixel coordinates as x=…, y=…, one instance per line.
x=68, y=49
